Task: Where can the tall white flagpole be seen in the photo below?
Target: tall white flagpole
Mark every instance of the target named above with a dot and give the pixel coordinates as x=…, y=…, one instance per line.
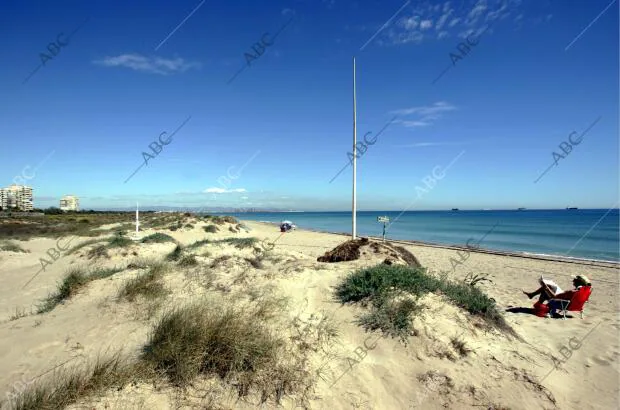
x=354, y=231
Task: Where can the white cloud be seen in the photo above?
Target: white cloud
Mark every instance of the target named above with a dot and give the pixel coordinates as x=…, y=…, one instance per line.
x=142, y=63
x=426, y=24
x=477, y=11
x=244, y=197
x=216, y=190
x=442, y=20
x=411, y=124
x=429, y=110
x=408, y=37
x=433, y=144
x=410, y=23
x=426, y=114
x=449, y=18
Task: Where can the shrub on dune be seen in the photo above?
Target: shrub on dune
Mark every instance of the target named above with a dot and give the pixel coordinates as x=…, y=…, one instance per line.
x=382, y=285
x=228, y=342
x=211, y=229
x=240, y=243
x=12, y=247
x=148, y=285
x=158, y=238
x=176, y=253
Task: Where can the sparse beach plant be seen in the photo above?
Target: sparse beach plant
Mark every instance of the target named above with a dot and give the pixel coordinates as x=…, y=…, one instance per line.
x=148, y=285
x=256, y=262
x=176, y=253
x=102, y=273
x=12, y=247
x=158, y=237
x=75, y=279
x=98, y=252
x=199, y=243
x=473, y=279
x=188, y=260
x=67, y=386
x=218, y=261
x=86, y=243
x=119, y=240
x=460, y=346
x=19, y=313
x=211, y=229
x=240, y=243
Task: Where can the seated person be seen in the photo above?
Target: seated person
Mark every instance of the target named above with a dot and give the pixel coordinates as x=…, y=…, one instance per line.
x=550, y=290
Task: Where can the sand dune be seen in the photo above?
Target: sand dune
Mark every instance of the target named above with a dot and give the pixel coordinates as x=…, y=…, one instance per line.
x=552, y=364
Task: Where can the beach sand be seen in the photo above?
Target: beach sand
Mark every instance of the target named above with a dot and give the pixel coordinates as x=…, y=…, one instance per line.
x=557, y=364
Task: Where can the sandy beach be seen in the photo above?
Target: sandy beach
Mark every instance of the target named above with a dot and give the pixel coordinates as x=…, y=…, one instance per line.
x=552, y=364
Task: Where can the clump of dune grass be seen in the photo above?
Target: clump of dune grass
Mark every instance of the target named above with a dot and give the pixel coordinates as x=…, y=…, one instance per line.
x=460, y=346
x=19, y=313
x=119, y=241
x=98, y=252
x=176, y=253
x=12, y=247
x=199, y=243
x=148, y=285
x=221, y=220
x=72, y=384
x=188, y=260
x=219, y=260
x=102, y=273
x=211, y=229
x=86, y=243
x=239, y=243
x=393, y=317
x=219, y=340
x=158, y=238
x=256, y=262
x=379, y=284
x=76, y=279
x=141, y=263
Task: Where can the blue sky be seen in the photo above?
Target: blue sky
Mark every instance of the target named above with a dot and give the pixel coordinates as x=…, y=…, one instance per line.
x=534, y=73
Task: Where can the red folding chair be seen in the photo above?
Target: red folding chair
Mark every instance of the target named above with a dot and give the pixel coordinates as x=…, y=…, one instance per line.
x=576, y=303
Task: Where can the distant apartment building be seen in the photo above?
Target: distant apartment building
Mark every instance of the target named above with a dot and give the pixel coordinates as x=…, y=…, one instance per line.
x=70, y=203
x=16, y=197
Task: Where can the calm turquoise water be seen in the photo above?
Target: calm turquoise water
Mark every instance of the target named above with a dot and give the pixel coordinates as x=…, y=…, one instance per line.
x=582, y=233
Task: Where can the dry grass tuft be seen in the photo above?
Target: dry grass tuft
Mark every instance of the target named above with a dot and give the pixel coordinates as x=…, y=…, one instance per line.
x=12, y=247
x=67, y=386
x=235, y=344
x=148, y=285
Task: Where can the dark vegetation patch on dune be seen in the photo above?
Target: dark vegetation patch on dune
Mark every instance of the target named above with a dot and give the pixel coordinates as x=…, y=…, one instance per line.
x=351, y=249
x=393, y=293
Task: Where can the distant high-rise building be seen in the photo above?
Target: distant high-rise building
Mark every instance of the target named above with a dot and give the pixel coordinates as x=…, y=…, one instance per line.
x=16, y=197
x=70, y=203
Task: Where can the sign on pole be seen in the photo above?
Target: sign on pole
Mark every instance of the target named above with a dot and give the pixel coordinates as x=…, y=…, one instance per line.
x=385, y=220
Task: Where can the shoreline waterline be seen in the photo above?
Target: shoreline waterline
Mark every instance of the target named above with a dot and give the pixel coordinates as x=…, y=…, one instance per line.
x=529, y=255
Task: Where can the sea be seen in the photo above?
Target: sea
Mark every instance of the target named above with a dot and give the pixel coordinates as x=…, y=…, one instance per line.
x=575, y=233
